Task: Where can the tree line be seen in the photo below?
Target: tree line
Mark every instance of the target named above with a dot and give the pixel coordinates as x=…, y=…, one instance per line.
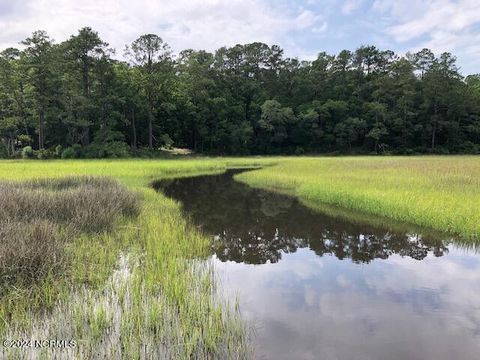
x=74, y=99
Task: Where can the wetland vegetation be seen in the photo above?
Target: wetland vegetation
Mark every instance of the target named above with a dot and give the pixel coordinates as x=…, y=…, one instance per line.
x=116, y=267
x=437, y=192
x=124, y=263
x=38, y=220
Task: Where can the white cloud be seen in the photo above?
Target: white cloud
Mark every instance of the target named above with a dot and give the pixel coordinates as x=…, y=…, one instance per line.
x=401, y=10
x=441, y=25
x=320, y=29
x=207, y=24
x=441, y=15
x=350, y=6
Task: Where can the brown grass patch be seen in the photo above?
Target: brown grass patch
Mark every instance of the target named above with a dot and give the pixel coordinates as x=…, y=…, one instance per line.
x=39, y=217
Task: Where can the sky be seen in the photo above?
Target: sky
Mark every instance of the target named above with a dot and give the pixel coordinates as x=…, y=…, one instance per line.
x=302, y=28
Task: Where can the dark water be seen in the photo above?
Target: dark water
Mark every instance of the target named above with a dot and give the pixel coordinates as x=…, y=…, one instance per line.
x=318, y=287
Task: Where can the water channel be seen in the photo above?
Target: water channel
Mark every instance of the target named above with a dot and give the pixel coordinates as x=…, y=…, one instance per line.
x=320, y=287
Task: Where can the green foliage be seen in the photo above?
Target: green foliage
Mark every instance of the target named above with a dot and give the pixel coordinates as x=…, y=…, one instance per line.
x=44, y=154
x=107, y=144
x=274, y=123
x=27, y=152
x=24, y=139
x=113, y=149
x=68, y=153
x=58, y=151
x=72, y=152
x=245, y=99
x=3, y=151
x=299, y=150
x=167, y=141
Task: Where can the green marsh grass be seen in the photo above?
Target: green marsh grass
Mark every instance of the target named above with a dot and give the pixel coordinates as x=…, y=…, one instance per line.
x=437, y=192
x=143, y=289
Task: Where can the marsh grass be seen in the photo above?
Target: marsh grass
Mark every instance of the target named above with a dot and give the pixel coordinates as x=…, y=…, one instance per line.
x=145, y=289
x=113, y=324
x=142, y=290
x=38, y=220
x=433, y=192
x=84, y=204
x=29, y=252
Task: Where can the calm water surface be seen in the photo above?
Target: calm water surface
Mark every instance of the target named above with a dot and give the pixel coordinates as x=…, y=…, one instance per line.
x=318, y=287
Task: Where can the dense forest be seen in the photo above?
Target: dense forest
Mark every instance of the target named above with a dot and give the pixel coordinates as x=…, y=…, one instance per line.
x=76, y=99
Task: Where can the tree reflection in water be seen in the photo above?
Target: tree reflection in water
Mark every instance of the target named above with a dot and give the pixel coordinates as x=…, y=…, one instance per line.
x=256, y=226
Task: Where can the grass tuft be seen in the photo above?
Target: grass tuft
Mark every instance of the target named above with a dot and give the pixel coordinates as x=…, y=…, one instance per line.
x=86, y=204
x=38, y=221
x=29, y=252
